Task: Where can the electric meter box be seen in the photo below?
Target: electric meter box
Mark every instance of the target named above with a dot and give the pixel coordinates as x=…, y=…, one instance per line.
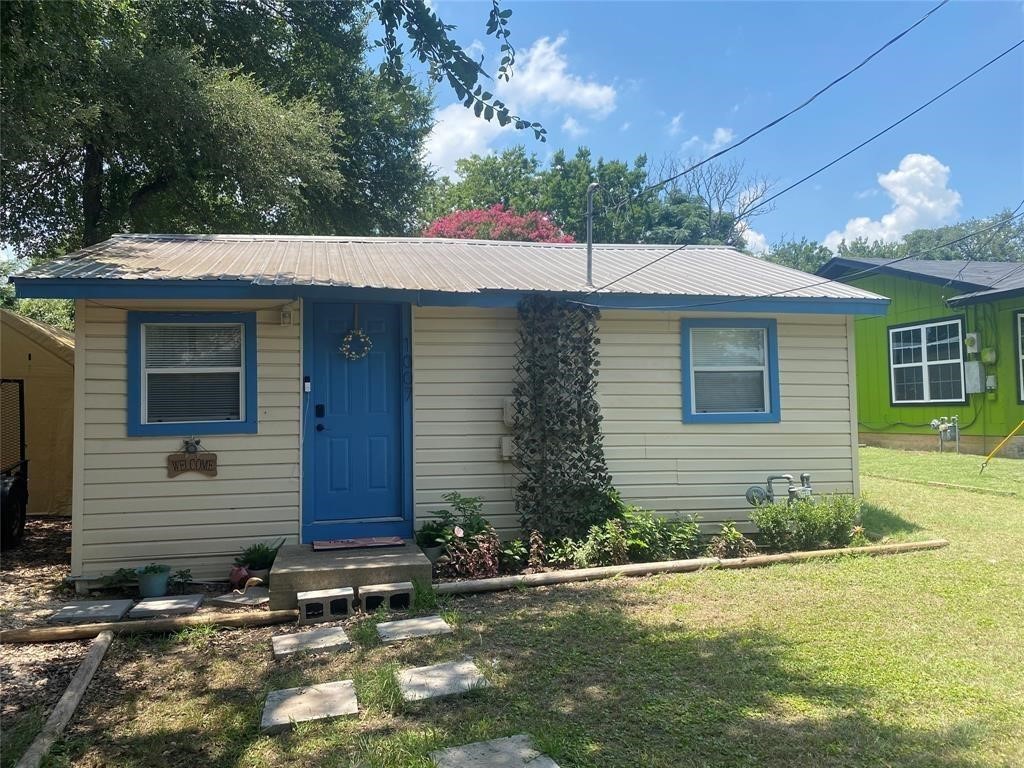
x=974, y=377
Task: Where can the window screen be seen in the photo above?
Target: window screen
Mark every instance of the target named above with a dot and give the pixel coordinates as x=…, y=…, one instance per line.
x=192, y=372
x=729, y=370
x=926, y=363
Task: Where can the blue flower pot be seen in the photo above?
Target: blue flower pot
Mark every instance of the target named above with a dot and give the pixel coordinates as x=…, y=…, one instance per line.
x=153, y=584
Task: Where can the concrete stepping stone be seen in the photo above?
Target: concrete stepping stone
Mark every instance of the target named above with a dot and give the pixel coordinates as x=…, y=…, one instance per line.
x=323, y=639
x=447, y=679
x=512, y=752
x=312, y=702
x=253, y=596
x=172, y=605
x=406, y=629
x=86, y=611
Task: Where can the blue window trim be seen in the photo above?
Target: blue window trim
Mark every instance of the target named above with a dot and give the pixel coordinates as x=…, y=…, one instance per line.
x=774, y=412
x=135, y=426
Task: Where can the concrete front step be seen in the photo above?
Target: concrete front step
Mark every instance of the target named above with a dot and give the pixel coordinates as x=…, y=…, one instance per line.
x=297, y=568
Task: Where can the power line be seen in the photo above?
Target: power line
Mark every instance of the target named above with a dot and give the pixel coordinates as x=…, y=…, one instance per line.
x=788, y=114
x=860, y=273
x=888, y=128
x=843, y=156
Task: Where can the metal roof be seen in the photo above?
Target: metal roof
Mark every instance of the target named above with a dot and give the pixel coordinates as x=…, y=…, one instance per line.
x=983, y=279
x=434, y=264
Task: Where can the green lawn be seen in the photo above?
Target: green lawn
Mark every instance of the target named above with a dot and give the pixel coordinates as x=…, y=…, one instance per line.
x=909, y=660
x=1000, y=475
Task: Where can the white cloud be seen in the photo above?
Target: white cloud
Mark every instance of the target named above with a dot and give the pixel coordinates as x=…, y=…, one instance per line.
x=921, y=198
x=625, y=126
x=691, y=143
x=458, y=133
x=572, y=127
x=542, y=82
x=675, y=125
x=542, y=76
x=720, y=138
x=475, y=50
x=757, y=243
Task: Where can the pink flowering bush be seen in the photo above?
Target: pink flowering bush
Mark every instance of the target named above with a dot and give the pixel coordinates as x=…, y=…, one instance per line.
x=497, y=223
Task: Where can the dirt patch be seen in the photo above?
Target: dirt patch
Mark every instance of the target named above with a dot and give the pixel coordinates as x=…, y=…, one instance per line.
x=32, y=586
x=32, y=576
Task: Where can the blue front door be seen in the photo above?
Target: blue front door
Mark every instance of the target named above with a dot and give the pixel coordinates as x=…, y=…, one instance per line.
x=355, y=439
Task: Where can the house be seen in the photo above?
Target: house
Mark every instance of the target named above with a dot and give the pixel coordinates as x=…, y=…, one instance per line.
x=950, y=344
x=37, y=364
x=717, y=369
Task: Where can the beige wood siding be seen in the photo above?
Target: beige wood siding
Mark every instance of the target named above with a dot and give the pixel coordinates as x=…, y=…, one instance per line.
x=128, y=512
x=463, y=371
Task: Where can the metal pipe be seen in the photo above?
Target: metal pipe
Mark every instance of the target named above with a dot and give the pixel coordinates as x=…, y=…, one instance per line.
x=591, y=188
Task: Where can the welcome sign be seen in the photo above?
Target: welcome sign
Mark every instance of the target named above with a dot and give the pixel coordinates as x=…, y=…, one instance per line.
x=204, y=463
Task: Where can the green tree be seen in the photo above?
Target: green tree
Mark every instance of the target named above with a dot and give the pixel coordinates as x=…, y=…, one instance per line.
x=806, y=255
x=1005, y=242
x=210, y=116
x=708, y=207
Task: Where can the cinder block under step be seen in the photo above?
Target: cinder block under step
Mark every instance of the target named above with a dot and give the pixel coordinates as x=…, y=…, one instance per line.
x=394, y=597
x=320, y=605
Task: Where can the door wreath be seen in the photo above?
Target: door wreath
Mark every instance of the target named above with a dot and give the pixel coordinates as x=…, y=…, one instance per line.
x=355, y=345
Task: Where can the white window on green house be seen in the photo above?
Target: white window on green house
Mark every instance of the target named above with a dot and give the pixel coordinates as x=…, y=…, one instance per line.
x=926, y=363
x=1020, y=356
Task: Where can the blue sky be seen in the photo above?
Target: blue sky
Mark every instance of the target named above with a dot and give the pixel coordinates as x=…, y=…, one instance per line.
x=680, y=78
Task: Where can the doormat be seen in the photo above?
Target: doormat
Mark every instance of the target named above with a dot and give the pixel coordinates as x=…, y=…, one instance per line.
x=363, y=543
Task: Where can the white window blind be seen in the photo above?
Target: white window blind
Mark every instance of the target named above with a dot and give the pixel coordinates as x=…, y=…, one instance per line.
x=926, y=363
x=193, y=372
x=729, y=370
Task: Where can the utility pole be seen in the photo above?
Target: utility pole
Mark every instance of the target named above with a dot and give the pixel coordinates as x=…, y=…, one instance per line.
x=591, y=189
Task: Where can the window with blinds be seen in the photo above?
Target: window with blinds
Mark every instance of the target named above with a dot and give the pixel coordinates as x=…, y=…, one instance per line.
x=926, y=363
x=193, y=372
x=729, y=370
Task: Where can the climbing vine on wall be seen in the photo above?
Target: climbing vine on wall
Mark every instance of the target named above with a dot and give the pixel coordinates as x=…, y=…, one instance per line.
x=563, y=484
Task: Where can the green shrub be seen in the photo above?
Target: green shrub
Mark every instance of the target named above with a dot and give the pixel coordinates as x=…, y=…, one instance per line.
x=824, y=523
x=638, y=536
x=432, y=533
x=259, y=557
x=466, y=513
x=512, y=556
x=561, y=553
x=606, y=544
x=731, y=543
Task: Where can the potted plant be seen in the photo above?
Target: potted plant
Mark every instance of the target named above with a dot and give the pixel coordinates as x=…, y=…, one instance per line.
x=256, y=559
x=153, y=579
x=432, y=537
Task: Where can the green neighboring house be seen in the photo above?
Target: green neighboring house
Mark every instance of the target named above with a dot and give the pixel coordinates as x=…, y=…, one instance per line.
x=951, y=343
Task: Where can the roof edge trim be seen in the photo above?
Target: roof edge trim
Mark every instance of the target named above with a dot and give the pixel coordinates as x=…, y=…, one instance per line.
x=79, y=288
